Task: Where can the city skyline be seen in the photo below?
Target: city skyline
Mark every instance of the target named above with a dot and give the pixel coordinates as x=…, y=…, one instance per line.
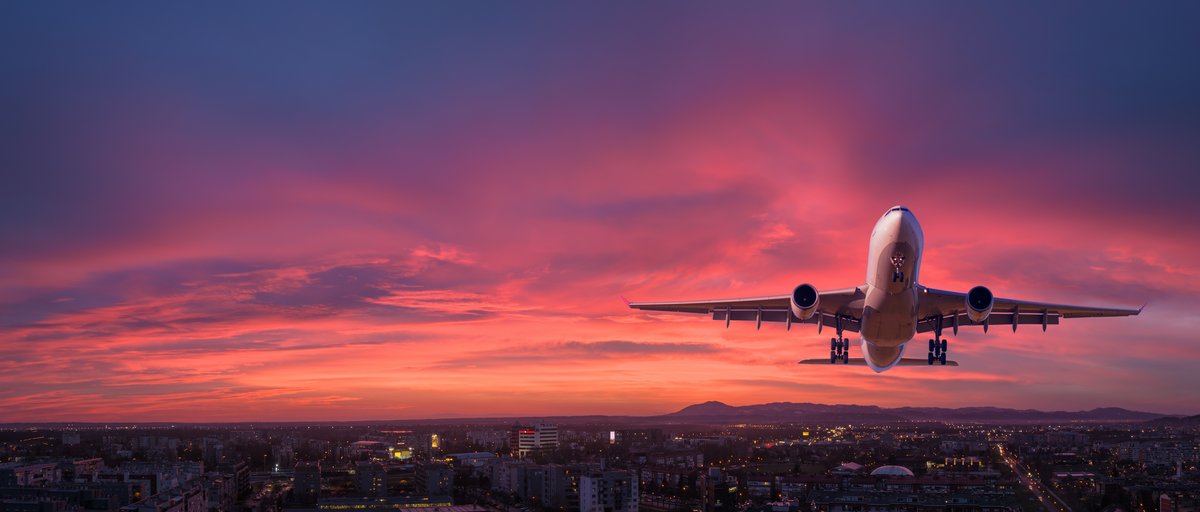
x=409, y=211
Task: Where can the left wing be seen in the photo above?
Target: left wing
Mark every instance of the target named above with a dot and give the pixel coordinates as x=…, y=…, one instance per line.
x=949, y=307
x=833, y=308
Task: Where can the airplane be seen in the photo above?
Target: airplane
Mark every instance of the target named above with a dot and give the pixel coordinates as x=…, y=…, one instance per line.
x=890, y=308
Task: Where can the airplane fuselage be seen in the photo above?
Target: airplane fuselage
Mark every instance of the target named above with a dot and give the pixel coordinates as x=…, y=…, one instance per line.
x=889, y=306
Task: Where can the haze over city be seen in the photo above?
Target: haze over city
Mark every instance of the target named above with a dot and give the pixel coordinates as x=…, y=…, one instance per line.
x=310, y=211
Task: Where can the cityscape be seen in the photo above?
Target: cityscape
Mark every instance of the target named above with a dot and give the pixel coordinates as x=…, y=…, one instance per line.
x=689, y=461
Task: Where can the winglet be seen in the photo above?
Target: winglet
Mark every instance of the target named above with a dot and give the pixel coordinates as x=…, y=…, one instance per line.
x=1144, y=304
x=626, y=301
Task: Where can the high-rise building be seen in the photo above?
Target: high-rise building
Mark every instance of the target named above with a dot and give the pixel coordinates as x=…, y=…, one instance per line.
x=306, y=484
x=372, y=479
x=524, y=440
x=608, y=491
x=562, y=486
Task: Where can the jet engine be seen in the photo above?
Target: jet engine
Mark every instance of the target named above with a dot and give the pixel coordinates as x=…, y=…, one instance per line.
x=804, y=301
x=979, y=303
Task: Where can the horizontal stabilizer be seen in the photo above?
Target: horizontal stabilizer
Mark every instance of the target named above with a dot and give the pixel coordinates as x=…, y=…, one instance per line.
x=858, y=361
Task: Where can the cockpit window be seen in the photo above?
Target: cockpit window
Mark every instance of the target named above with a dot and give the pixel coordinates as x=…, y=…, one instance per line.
x=898, y=209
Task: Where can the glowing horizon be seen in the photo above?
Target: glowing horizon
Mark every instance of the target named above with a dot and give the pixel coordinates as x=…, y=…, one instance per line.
x=421, y=211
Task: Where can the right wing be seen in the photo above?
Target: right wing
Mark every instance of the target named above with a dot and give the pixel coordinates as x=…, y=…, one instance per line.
x=838, y=306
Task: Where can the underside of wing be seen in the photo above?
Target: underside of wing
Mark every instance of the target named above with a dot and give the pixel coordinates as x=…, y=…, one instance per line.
x=942, y=309
x=835, y=308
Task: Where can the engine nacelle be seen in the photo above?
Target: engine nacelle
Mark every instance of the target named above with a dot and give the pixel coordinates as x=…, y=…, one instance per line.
x=804, y=301
x=979, y=303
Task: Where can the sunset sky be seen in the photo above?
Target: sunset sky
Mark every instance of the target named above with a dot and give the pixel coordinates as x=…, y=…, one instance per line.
x=388, y=210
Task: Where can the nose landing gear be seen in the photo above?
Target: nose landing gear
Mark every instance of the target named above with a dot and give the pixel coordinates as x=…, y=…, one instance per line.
x=839, y=349
x=897, y=264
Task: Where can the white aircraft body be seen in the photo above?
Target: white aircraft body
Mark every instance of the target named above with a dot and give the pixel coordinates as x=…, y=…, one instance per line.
x=890, y=308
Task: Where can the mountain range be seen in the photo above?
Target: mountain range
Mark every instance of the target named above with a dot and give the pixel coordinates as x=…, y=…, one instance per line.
x=789, y=412
x=718, y=413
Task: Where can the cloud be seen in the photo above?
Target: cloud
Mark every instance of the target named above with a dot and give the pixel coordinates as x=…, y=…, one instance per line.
x=633, y=347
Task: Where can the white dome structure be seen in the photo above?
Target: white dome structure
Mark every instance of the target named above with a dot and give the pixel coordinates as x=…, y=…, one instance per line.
x=892, y=471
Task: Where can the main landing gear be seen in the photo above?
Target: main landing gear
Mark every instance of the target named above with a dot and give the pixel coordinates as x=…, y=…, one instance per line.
x=937, y=351
x=839, y=349
x=937, y=345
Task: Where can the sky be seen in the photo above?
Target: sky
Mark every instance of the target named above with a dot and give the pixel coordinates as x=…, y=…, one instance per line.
x=229, y=211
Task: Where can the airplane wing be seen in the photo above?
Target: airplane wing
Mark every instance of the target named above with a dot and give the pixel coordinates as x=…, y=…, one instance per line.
x=838, y=306
x=858, y=361
x=951, y=306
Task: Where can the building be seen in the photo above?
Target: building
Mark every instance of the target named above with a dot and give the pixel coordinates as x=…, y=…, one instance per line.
x=222, y=492
x=389, y=504
x=892, y=471
x=188, y=498
x=18, y=474
x=81, y=469
x=283, y=456
x=524, y=440
x=608, y=491
x=306, y=483
x=562, y=486
x=647, y=436
x=371, y=479
x=435, y=479
x=472, y=459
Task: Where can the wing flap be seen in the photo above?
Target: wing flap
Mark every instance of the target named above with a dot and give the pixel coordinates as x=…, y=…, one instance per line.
x=993, y=320
x=850, y=324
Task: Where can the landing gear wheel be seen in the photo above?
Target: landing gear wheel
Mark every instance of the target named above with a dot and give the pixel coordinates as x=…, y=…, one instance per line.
x=942, y=359
x=833, y=357
x=932, y=345
x=833, y=344
x=931, y=358
x=944, y=343
x=846, y=357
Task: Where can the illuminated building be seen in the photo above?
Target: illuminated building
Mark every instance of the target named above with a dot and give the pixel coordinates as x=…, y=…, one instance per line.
x=524, y=440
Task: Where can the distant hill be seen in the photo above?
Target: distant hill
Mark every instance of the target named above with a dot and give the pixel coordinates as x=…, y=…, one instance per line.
x=786, y=412
x=1176, y=421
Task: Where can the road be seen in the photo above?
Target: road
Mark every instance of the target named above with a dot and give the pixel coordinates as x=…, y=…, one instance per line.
x=1050, y=501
